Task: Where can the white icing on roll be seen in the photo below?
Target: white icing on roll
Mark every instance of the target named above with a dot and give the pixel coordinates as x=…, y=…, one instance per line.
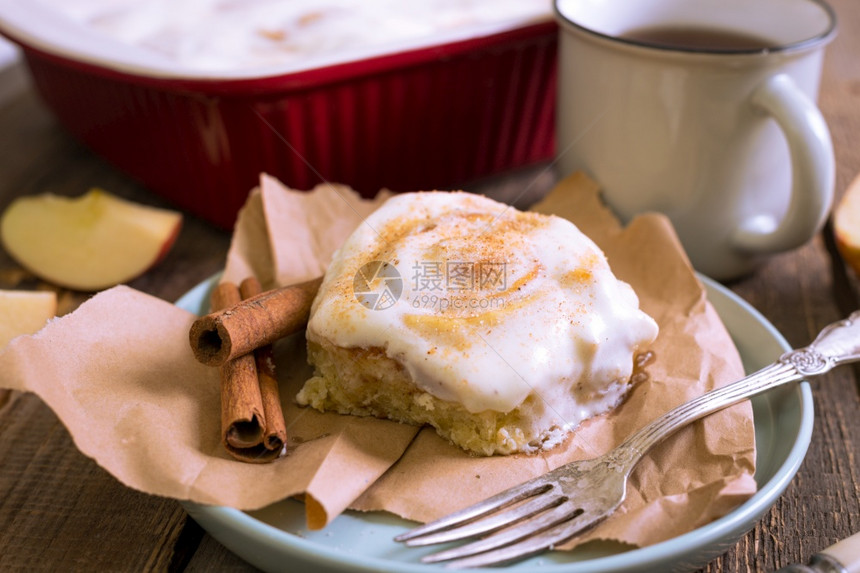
x=495, y=305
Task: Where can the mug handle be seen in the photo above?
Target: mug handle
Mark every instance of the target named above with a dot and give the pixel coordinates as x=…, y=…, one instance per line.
x=812, y=169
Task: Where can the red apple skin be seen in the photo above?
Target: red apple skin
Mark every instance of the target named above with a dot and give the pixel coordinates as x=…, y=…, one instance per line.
x=165, y=248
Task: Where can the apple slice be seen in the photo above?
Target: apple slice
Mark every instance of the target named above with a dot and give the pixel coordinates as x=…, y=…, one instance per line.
x=87, y=243
x=846, y=225
x=24, y=312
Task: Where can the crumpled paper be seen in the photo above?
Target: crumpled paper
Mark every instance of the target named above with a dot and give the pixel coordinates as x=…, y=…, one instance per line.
x=120, y=375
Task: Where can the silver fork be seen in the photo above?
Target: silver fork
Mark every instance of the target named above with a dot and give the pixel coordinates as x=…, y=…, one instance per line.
x=565, y=502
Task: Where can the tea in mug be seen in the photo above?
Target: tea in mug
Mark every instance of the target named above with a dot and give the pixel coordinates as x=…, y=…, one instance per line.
x=697, y=38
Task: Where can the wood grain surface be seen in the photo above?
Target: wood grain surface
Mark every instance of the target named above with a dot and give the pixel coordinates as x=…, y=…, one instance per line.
x=59, y=511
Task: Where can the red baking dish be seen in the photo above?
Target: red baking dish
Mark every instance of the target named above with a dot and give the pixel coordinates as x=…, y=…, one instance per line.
x=429, y=118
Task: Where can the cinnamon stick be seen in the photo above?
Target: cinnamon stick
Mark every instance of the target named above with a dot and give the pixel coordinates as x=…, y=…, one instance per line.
x=243, y=423
x=249, y=324
x=275, y=434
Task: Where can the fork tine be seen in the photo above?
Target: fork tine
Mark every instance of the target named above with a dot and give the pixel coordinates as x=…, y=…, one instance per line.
x=503, y=499
x=491, y=523
x=527, y=546
x=562, y=513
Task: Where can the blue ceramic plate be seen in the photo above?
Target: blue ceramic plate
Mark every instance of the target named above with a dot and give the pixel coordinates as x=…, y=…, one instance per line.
x=276, y=539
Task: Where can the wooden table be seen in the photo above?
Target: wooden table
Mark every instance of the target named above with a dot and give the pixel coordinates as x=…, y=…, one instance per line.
x=60, y=511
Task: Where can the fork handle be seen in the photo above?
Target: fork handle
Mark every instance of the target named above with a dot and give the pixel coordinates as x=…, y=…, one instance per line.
x=837, y=343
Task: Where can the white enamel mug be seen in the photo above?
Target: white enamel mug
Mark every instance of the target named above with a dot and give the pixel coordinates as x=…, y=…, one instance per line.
x=727, y=142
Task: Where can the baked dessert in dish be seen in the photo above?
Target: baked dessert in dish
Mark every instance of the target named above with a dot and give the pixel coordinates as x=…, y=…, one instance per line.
x=220, y=35
x=502, y=329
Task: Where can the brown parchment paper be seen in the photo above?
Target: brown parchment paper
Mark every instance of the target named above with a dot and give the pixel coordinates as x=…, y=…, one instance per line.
x=285, y=237
x=120, y=375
